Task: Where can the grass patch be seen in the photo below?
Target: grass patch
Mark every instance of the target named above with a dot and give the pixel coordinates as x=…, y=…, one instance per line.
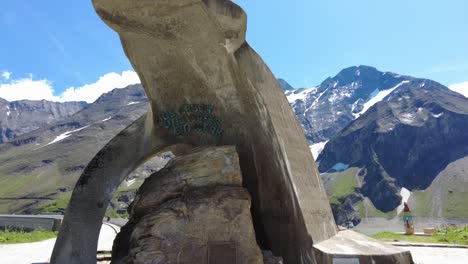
x=112, y=213
x=449, y=235
x=58, y=205
x=13, y=237
x=367, y=209
x=343, y=185
x=389, y=236
x=453, y=235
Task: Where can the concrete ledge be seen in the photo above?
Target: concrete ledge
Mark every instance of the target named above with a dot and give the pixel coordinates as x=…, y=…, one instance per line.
x=349, y=247
x=31, y=222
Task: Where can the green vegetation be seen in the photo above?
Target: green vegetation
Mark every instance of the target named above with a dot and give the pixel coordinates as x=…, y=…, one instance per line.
x=389, y=236
x=12, y=237
x=449, y=235
x=343, y=185
x=112, y=213
x=123, y=188
x=446, y=196
x=58, y=205
x=367, y=209
x=453, y=235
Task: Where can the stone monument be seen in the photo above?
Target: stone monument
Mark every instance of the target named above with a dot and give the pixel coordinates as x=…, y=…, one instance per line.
x=206, y=86
x=194, y=210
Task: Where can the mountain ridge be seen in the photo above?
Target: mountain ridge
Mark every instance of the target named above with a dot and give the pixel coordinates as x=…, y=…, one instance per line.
x=368, y=99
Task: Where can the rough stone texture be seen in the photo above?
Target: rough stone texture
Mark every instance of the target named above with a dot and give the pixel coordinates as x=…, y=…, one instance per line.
x=352, y=245
x=194, y=52
x=192, y=211
x=269, y=258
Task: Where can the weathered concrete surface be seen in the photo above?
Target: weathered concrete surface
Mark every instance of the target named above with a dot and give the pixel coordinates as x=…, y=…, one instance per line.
x=192, y=57
x=351, y=245
x=193, y=204
x=31, y=222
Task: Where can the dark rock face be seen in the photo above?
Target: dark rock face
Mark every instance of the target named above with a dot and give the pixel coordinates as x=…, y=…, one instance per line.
x=285, y=85
x=345, y=214
x=20, y=117
x=192, y=211
x=403, y=141
x=327, y=108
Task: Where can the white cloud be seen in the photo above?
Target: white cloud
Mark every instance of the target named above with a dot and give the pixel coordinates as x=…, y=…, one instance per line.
x=28, y=88
x=106, y=83
x=461, y=88
x=6, y=75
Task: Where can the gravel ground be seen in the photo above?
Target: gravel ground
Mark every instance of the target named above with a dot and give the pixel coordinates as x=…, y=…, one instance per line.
x=435, y=255
x=39, y=252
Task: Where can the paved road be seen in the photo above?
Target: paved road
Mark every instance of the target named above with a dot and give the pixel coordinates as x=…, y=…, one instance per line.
x=436, y=255
x=39, y=252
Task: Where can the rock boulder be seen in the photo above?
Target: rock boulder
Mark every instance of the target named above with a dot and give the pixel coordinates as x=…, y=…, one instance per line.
x=192, y=211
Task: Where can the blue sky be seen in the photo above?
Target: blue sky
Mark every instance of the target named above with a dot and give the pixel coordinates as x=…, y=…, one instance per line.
x=56, y=44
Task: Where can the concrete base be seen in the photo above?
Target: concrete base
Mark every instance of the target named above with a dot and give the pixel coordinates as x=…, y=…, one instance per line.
x=31, y=222
x=349, y=247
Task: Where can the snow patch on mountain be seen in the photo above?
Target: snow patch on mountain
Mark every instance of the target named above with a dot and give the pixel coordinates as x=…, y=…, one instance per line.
x=107, y=119
x=132, y=103
x=300, y=94
x=130, y=182
x=317, y=148
x=65, y=135
x=378, y=96
x=407, y=118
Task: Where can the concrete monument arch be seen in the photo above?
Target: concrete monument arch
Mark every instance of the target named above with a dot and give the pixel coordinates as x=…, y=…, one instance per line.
x=206, y=86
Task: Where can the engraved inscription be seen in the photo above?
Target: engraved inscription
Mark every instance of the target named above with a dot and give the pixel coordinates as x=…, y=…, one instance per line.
x=192, y=117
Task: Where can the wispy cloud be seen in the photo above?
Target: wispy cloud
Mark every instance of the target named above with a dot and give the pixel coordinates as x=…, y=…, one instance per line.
x=28, y=88
x=461, y=88
x=6, y=75
x=57, y=43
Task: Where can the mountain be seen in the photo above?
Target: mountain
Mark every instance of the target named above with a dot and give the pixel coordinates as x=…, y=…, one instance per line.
x=44, y=164
x=405, y=141
x=383, y=135
x=285, y=85
x=20, y=117
x=327, y=108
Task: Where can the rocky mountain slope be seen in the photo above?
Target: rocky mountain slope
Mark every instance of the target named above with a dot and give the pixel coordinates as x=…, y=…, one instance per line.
x=45, y=163
x=404, y=141
x=384, y=131
x=327, y=108
x=24, y=116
